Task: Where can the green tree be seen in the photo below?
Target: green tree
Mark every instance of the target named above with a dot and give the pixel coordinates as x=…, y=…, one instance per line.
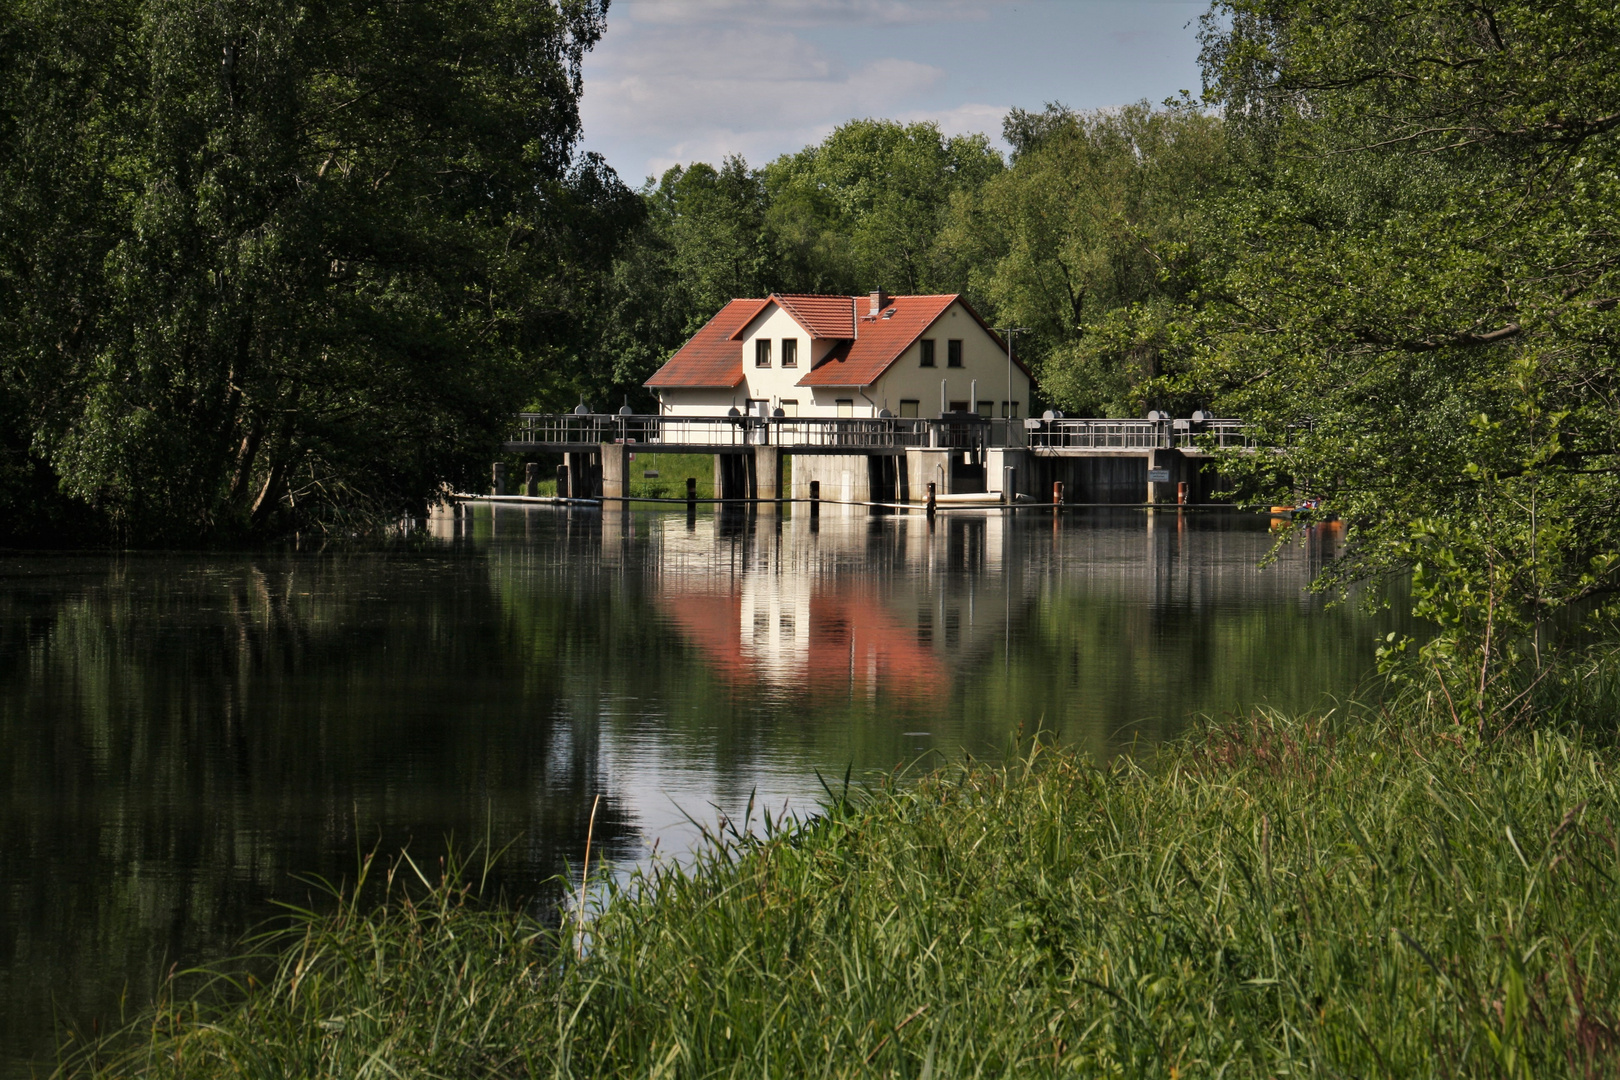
x=270, y=264
x=1090, y=240
x=702, y=242
x=1419, y=304
x=864, y=208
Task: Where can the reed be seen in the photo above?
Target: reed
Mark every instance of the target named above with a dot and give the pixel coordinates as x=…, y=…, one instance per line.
x=1336, y=895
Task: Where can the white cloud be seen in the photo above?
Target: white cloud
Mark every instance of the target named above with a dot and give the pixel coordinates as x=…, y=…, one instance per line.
x=969, y=119
x=675, y=81
x=703, y=94
x=809, y=12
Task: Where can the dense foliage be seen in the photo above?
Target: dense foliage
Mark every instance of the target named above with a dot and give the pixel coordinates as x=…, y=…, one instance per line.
x=1092, y=240
x=267, y=264
x=1417, y=298
x=1089, y=239
x=1258, y=905
x=864, y=209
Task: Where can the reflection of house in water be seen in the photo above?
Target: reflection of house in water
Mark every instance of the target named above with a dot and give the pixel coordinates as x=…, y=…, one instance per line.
x=850, y=607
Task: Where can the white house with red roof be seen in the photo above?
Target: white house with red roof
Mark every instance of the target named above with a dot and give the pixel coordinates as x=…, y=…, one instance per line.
x=844, y=356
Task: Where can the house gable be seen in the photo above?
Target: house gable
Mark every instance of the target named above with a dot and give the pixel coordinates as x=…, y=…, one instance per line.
x=849, y=359
x=882, y=339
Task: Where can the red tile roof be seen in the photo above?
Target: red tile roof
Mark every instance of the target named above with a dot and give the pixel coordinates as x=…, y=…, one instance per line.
x=879, y=341
x=823, y=316
x=711, y=358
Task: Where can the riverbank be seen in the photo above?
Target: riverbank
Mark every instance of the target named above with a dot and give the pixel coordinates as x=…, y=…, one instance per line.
x=1354, y=895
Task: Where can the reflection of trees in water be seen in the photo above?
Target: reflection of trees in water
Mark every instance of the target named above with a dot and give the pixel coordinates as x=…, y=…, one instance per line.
x=763, y=636
x=180, y=737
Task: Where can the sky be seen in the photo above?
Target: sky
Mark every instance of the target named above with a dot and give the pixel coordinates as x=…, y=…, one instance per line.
x=676, y=81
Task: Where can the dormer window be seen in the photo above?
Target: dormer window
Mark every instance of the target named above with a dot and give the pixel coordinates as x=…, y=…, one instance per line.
x=790, y=352
x=762, y=352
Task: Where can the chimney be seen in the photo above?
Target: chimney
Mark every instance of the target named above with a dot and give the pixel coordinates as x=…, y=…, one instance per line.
x=878, y=301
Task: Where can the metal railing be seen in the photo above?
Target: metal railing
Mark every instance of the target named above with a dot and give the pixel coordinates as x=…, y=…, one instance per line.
x=1089, y=434
x=1214, y=434
x=877, y=433
x=867, y=433
x=1099, y=434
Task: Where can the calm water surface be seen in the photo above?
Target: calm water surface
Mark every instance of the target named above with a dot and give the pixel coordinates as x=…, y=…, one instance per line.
x=183, y=736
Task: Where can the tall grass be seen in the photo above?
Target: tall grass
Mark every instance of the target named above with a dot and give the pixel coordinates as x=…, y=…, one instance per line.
x=1278, y=896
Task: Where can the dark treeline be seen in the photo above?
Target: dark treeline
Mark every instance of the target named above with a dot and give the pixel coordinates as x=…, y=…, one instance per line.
x=269, y=267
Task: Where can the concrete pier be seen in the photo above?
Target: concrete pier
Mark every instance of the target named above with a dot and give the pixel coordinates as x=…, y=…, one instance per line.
x=615, y=464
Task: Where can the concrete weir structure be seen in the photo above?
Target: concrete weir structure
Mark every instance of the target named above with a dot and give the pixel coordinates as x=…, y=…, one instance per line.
x=1158, y=460
x=874, y=399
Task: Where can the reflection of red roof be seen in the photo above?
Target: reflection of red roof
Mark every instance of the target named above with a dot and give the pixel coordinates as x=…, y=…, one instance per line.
x=712, y=623
x=711, y=358
x=854, y=640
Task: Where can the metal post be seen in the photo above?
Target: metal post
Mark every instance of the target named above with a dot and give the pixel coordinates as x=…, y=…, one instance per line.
x=1057, y=493
x=1181, y=493
x=1011, y=332
x=930, y=500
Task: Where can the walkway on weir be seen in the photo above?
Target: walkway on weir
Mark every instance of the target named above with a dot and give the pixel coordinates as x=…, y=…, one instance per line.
x=1157, y=459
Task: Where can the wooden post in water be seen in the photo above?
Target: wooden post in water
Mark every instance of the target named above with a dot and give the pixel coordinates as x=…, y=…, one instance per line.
x=931, y=492
x=691, y=492
x=1057, y=493
x=815, y=497
x=531, y=478
x=1181, y=493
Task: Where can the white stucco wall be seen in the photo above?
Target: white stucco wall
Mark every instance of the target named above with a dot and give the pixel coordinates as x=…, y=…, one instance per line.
x=982, y=359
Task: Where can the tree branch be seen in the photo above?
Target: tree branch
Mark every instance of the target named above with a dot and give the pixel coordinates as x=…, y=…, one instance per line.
x=1491, y=337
